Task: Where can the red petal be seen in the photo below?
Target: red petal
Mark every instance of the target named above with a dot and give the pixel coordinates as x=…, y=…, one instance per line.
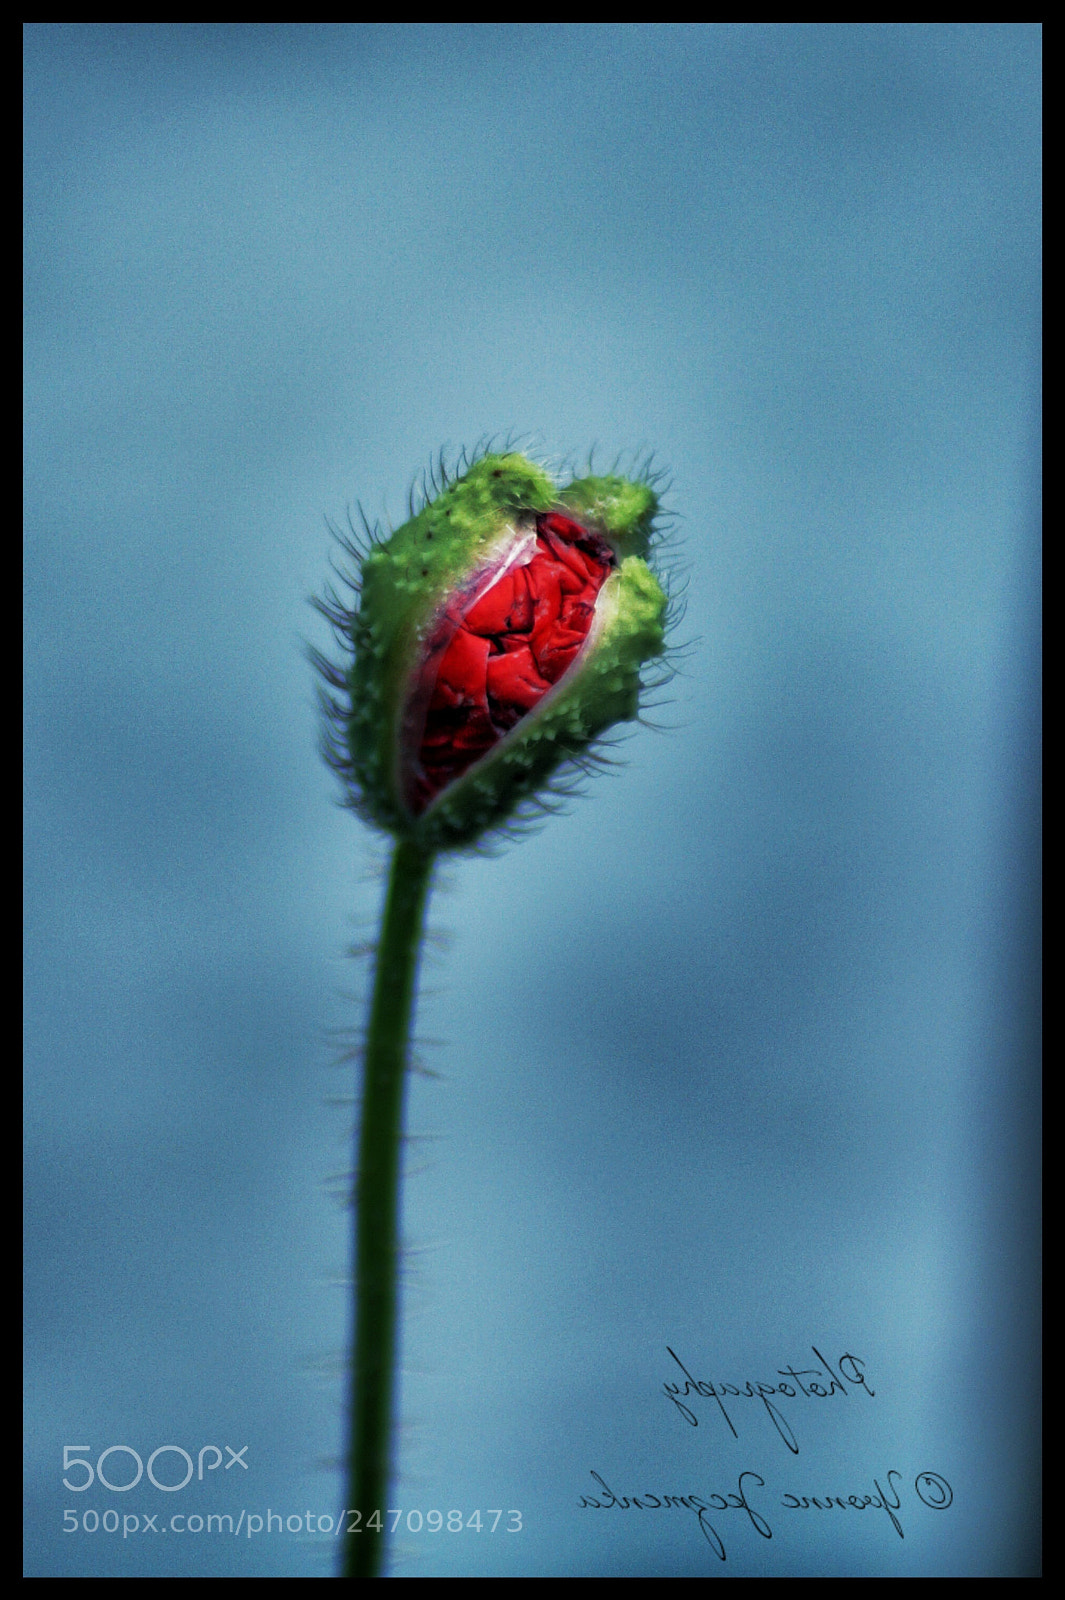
x=557, y=652
x=578, y=610
x=506, y=608
x=460, y=675
x=485, y=669
x=563, y=527
x=514, y=680
x=567, y=559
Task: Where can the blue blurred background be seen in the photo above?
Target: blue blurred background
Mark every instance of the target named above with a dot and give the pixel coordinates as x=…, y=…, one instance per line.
x=738, y=1058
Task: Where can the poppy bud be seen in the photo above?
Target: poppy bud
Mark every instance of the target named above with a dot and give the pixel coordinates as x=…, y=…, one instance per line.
x=499, y=632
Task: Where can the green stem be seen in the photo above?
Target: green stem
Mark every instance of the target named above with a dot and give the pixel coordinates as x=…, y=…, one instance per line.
x=377, y=1206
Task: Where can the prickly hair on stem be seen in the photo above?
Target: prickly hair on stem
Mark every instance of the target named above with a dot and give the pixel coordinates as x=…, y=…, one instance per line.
x=412, y=590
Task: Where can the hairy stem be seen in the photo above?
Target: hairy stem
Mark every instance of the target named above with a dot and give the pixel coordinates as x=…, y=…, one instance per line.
x=377, y=1206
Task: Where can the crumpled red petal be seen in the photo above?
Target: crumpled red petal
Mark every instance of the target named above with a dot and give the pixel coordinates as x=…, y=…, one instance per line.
x=489, y=662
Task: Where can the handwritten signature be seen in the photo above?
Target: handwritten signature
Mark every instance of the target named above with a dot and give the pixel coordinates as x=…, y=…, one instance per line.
x=822, y=1382
x=932, y=1490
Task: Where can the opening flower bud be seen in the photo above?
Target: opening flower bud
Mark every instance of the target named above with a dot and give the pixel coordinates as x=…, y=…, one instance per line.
x=499, y=633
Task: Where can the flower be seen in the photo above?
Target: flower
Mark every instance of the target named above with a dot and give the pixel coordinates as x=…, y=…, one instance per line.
x=499, y=633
